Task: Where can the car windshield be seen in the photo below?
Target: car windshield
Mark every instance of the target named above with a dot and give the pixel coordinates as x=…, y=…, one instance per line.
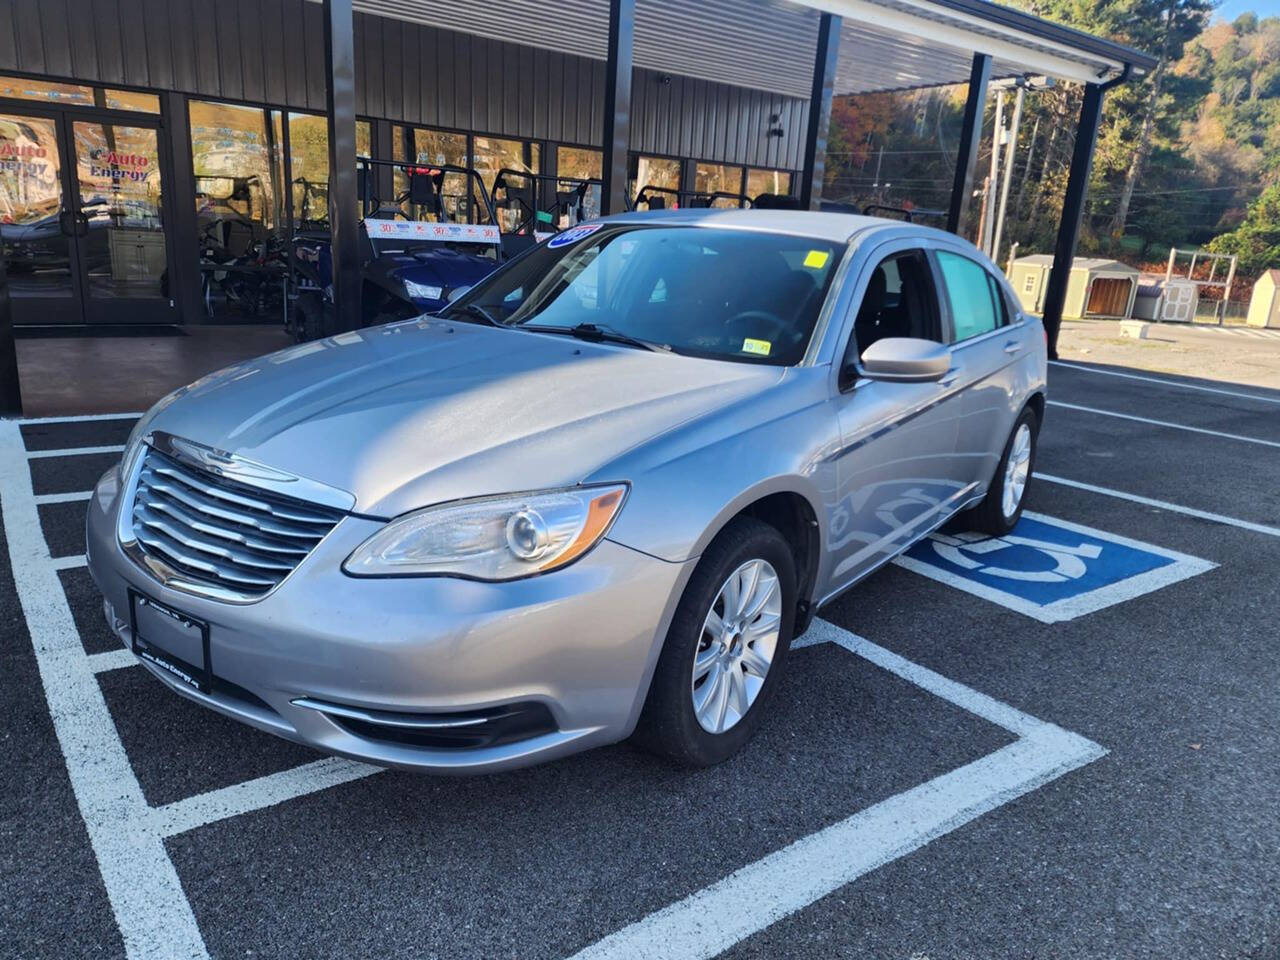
x=742, y=295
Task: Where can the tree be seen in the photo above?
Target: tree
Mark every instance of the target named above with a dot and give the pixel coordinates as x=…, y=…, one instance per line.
x=1257, y=240
x=1176, y=22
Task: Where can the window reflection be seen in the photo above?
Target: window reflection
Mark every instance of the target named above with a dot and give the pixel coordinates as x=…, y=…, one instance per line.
x=718, y=178
x=79, y=95
x=493, y=155
x=309, y=169
x=586, y=164
x=131, y=100
x=768, y=181
x=21, y=88
x=118, y=177
x=32, y=243
x=440, y=148
x=238, y=155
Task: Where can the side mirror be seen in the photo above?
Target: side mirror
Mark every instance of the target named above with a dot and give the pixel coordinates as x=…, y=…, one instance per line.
x=906, y=360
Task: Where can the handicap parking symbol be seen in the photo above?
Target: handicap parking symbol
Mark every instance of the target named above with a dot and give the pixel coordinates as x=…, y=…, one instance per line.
x=1050, y=569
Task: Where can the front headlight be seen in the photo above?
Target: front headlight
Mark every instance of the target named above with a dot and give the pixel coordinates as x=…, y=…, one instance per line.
x=492, y=538
x=422, y=291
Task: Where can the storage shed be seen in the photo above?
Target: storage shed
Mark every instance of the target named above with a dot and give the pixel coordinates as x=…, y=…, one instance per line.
x=1096, y=287
x=1166, y=301
x=1264, y=305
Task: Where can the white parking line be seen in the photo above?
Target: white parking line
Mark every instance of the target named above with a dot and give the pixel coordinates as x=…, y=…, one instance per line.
x=73, y=452
x=44, y=498
x=82, y=418
x=155, y=917
x=712, y=920
x=69, y=563
x=1164, y=423
x=1166, y=383
x=112, y=660
x=1163, y=505
x=148, y=902
x=150, y=908
x=205, y=808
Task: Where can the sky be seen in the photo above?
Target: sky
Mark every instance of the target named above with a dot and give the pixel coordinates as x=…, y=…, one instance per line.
x=1230, y=9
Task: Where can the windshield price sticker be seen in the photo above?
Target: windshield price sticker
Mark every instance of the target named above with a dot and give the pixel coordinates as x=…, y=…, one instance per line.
x=574, y=234
x=437, y=232
x=816, y=259
x=759, y=347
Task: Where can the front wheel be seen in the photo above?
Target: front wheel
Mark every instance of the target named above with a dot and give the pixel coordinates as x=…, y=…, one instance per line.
x=1000, y=510
x=725, y=650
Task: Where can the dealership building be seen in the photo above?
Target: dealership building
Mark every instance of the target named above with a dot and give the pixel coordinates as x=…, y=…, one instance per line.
x=136, y=138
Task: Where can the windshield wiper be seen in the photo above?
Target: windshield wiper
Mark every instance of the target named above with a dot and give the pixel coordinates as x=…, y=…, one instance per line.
x=479, y=312
x=595, y=333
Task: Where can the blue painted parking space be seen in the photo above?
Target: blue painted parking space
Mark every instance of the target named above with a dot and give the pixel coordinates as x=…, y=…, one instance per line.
x=1050, y=569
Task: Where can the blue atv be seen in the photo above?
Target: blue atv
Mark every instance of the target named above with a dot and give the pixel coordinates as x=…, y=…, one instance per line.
x=436, y=238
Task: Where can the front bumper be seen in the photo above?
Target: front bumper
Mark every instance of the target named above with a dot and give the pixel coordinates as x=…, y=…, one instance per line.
x=577, y=646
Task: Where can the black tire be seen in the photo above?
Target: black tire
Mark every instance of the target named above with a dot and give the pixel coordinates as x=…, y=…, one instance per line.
x=989, y=516
x=668, y=724
x=308, y=318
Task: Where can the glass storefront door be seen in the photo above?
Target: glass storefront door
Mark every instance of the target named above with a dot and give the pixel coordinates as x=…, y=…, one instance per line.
x=36, y=223
x=120, y=223
x=81, y=219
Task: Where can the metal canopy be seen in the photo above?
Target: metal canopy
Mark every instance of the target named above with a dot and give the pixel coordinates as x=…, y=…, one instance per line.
x=770, y=44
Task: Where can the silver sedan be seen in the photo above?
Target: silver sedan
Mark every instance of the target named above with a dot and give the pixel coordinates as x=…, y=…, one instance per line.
x=594, y=498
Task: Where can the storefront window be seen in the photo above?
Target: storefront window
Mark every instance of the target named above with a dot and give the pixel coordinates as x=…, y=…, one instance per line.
x=579, y=162
x=78, y=95
x=440, y=148
x=585, y=164
x=236, y=155
x=718, y=178
x=64, y=93
x=657, y=172
x=130, y=100
x=492, y=155
x=309, y=166
x=768, y=181
x=309, y=169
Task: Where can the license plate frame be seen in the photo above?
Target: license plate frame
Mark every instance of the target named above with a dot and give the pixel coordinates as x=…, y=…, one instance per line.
x=196, y=676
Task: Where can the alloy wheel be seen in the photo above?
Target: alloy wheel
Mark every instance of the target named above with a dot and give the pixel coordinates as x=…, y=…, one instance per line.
x=737, y=646
x=1016, y=470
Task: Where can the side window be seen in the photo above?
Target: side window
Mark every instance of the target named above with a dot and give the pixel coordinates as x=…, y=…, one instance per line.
x=900, y=301
x=977, y=304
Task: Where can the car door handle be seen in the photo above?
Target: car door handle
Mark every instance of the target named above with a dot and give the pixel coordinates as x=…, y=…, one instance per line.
x=1012, y=346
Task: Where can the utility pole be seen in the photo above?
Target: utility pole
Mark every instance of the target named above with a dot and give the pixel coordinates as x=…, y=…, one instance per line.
x=988, y=212
x=986, y=207
x=1010, y=150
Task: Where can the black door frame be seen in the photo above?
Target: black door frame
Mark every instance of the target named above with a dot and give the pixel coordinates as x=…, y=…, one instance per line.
x=78, y=309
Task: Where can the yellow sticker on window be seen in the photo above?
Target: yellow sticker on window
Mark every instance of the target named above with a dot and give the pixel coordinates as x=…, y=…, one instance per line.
x=816, y=259
x=761, y=347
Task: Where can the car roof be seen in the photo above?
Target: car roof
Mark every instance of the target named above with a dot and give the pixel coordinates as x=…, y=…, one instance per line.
x=836, y=227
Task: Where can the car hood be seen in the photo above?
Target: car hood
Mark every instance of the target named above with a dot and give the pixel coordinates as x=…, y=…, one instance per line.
x=429, y=410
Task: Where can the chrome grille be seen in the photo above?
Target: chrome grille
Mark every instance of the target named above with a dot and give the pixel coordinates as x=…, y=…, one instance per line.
x=214, y=531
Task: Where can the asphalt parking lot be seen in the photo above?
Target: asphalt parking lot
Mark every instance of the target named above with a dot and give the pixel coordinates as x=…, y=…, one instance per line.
x=1063, y=745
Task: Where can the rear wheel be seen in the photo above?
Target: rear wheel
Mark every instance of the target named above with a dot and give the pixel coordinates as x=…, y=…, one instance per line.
x=1000, y=510
x=725, y=650
x=308, y=317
